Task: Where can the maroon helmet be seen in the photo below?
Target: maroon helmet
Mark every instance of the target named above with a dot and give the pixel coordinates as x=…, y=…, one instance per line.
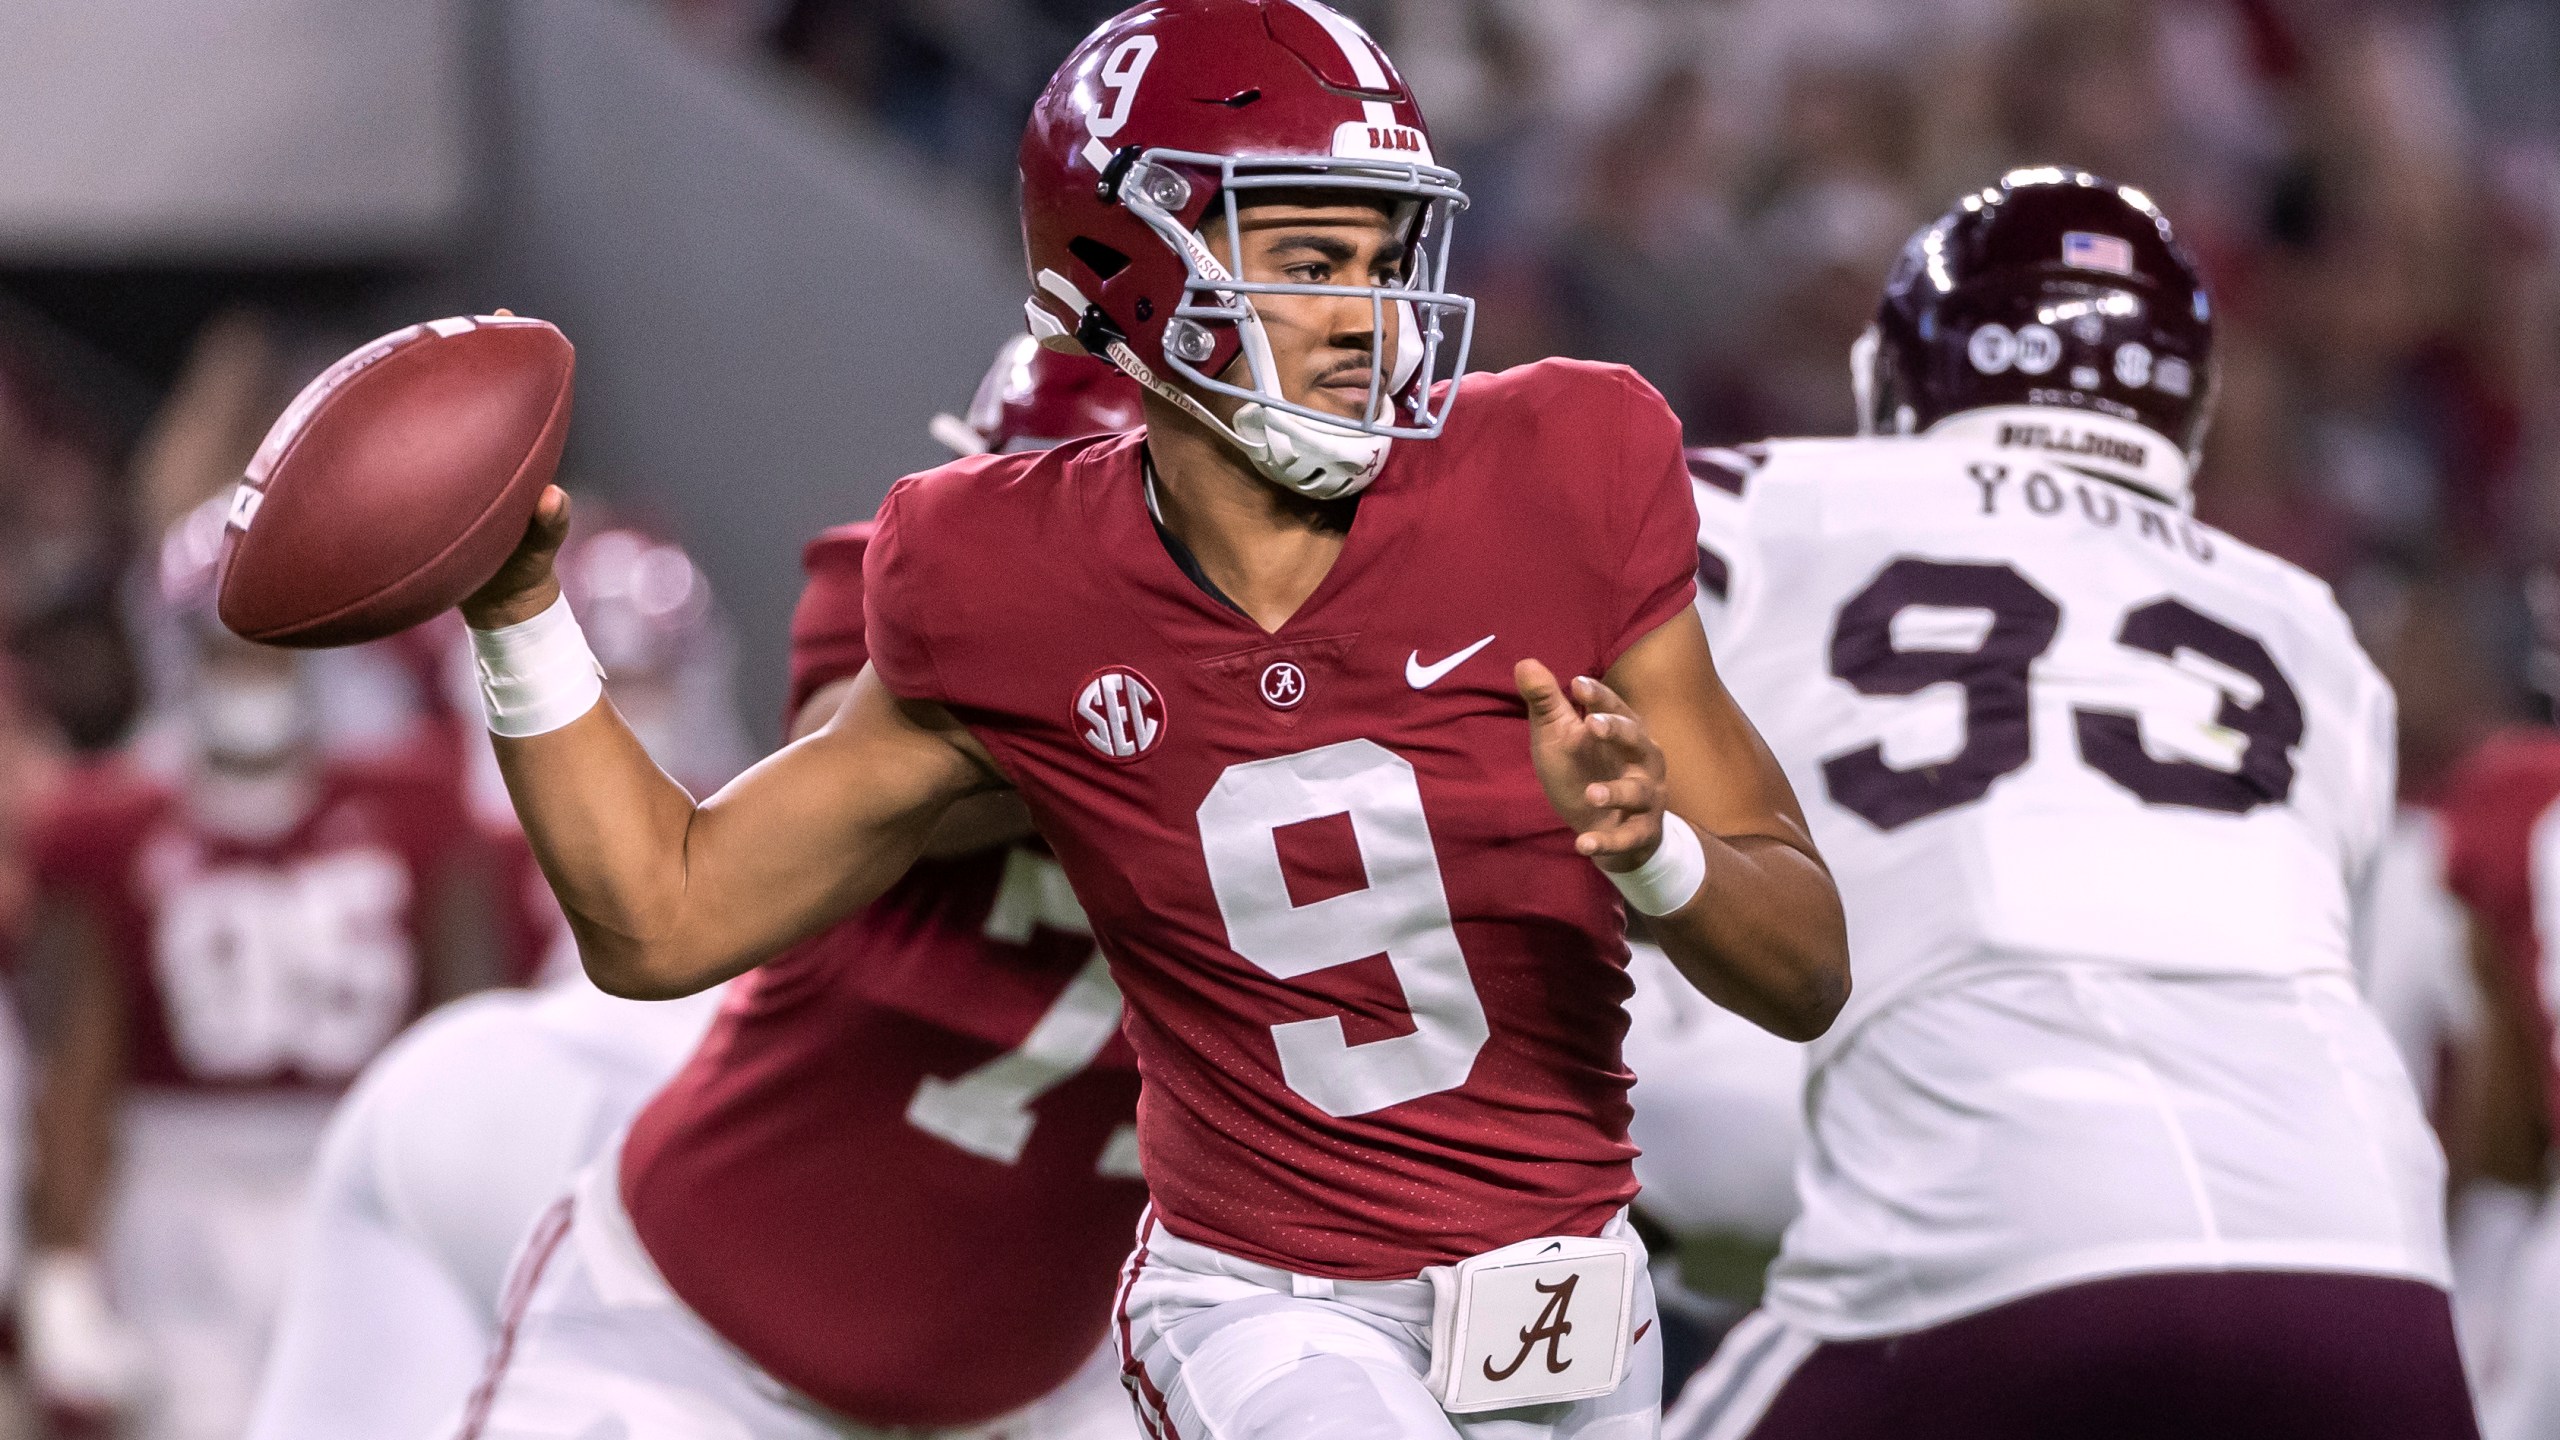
x=1034, y=397
x=1159, y=126
x=2053, y=288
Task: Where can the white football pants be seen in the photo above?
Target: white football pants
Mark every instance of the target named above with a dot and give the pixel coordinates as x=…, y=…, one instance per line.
x=1217, y=1348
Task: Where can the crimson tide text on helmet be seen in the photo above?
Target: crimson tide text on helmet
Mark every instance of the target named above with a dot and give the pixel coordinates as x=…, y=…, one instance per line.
x=2053, y=288
x=1033, y=398
x=1162, y=123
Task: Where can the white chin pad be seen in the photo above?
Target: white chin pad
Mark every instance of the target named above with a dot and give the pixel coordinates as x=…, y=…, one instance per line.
x=1315, y=459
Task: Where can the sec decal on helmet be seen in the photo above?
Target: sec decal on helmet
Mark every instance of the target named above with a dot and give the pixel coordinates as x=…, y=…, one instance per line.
x=1160, y=126
x=2054, y=287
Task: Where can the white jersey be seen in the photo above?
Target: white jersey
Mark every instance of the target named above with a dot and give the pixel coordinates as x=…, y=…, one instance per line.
x=2099, y=785
x=2029, y=711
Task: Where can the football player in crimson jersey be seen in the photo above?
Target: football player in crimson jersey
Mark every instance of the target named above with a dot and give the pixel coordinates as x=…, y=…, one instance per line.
x=1276, y=680
x=228, y=933
x=2502, y=857
x=2108, y=1143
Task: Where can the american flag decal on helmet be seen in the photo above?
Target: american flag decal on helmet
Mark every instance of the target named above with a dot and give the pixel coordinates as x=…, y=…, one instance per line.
x=2084, y=251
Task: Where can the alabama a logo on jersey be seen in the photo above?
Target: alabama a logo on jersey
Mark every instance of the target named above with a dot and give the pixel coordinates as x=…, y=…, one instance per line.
x=1119, y=714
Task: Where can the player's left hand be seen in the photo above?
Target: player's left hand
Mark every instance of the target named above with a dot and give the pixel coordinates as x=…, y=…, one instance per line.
x=1602, y=772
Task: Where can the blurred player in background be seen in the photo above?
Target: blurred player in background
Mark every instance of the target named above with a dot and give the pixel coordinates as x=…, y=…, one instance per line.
x=894, y=1187
x=232, y=925
x=2108, y=1144
x=453, y=1141
x=2502, y=821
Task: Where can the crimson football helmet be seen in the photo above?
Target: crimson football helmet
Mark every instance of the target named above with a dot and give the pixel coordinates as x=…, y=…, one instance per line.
x=1164, y=122
x=2053, y=287
x=1033, y=398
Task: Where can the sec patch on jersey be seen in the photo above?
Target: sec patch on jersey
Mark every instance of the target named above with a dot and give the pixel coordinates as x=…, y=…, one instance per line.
x=397, y=482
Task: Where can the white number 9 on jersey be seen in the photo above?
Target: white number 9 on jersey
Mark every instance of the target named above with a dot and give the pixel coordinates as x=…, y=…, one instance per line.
x=1403, y=913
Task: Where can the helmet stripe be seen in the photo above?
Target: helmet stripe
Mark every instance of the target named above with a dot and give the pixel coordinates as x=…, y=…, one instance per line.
x=1357, y=49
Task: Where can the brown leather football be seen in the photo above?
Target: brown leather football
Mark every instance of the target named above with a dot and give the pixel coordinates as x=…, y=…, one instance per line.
x=396, y=483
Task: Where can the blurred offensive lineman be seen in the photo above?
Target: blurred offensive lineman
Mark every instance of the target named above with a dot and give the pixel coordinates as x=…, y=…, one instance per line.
x=2108, y=1144
x=1261, y=674
x=454, y=1140
x=2502, y=820
x=228, y=945
x=925, y=1108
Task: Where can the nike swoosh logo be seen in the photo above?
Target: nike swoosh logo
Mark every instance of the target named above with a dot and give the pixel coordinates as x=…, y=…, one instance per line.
x=1640, y=1332
x=1423, y=677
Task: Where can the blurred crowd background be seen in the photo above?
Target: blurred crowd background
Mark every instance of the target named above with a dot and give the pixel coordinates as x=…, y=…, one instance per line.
x=1710, y=190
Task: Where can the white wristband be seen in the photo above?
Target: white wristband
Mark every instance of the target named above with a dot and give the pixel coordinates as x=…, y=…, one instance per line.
x=1672, y=877
x=538, y=675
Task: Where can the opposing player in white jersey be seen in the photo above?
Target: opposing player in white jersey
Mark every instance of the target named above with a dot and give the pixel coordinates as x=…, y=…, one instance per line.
x=463, y=1130
x=2106, y=1143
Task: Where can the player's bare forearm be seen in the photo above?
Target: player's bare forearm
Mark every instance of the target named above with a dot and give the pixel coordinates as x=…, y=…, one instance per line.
x=667, y=896
x=1764, y=935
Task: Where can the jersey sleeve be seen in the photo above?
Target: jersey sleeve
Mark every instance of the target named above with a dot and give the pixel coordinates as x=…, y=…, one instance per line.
x=827, y=625
x=897, y=595
x=1658, y=520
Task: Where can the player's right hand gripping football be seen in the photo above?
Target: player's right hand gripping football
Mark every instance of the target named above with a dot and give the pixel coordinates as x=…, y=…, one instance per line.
x=525, y=585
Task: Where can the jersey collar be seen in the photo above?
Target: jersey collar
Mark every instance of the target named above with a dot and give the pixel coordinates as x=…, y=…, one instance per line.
x=2099, y=446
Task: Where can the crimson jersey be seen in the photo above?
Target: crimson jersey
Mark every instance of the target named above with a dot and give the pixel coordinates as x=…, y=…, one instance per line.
x=279, y=962
x=900, y=1174
x=2502, y=856
x=1375, y=993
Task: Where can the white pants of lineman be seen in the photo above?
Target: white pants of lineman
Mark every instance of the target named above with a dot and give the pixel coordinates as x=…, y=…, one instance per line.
x=593, y=1344
x=1217, y=1348
x=440, y=1159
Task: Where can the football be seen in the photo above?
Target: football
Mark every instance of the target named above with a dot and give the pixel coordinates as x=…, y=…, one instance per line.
x=397, y=482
